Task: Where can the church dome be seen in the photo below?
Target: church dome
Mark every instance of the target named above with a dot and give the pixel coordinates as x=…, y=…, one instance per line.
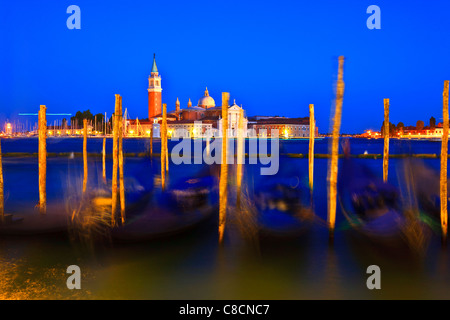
x=206, y=101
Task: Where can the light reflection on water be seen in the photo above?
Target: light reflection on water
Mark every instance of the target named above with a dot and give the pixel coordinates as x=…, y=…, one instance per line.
x=192, y=265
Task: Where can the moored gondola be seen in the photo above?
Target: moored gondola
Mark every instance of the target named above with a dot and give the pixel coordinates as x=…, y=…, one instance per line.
x=280, y=202
x=183, y=206
x=377, y=210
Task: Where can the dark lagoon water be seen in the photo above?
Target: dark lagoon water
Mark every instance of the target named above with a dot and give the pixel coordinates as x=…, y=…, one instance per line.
x=136, y=145
x=191, y=264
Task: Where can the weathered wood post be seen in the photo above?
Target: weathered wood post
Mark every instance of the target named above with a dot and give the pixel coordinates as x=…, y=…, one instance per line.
x=223, y=191
x=163, y=146
x=121, y=181
x=2, y=198
x=333, y=165
x=166, y=146
x=151, y=141
x=240, y=158
x=104, y=159
x=208, y=142
x=42, y=160
x=386, y=140
x=115, y=160
x=85, y=164
x=444, y=160
x=312, y=133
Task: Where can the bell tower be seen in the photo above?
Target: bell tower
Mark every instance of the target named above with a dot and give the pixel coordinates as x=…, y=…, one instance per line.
x=154, y=91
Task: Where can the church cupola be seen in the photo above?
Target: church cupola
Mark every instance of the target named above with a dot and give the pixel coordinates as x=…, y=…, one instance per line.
x=206, y=101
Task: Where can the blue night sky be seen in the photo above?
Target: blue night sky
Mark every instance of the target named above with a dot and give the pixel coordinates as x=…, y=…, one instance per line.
x=273, y=57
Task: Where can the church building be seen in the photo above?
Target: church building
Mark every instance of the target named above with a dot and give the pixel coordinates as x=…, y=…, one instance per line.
x=205, y=119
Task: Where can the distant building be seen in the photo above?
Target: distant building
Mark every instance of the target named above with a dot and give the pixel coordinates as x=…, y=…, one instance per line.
x=426, y=132
x=205, y=119
x=287, y=127
x=409, y=132
x=154, y=91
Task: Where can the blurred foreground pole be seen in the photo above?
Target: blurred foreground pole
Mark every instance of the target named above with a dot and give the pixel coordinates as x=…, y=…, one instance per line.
x=312, y=133
x=104, y=159
x=85, y=166
x=2, y=199
x=163, y=146
x=386, y=140
x=121, y=182
x=42, y=127
x=208, y=138
x=240, y=158
x=115, y=159
x=167, y=149
x=333, y=165
x=444, y=159
x=223, y=168
x=151, y=142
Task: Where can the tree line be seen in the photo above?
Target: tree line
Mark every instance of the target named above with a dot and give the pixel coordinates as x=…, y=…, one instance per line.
x=96, y=120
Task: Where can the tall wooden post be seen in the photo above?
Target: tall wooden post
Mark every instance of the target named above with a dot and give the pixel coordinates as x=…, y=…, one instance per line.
x=386, y=141
x=167, y=151
x=121, y=181
x=104, y=159
x=333, y=165
x=151, y=141
x=444, y=160
x=2, y=199
x=42, y=160
x=166, y=144
x=85, y=164
x=223, y=191
x=240, y=158
x=208, y=141
x=163, y=146
x=312, y=133
x=115, y=159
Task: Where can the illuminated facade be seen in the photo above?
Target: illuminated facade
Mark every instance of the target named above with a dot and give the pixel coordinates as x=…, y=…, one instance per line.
x=205, y=119
x=286, y=127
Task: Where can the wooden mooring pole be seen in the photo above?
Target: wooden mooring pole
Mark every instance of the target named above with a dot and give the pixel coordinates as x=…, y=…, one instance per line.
x=223, y=190
x=163, y=146
x=312, y=133
x=115, y=159
x=104, y=159
x=240, y=158
x=444, y=160
x=42, y=159
x=85, y=164
x=121, y=175
x=333, y=165
x=2, y=199
x=386, y=141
